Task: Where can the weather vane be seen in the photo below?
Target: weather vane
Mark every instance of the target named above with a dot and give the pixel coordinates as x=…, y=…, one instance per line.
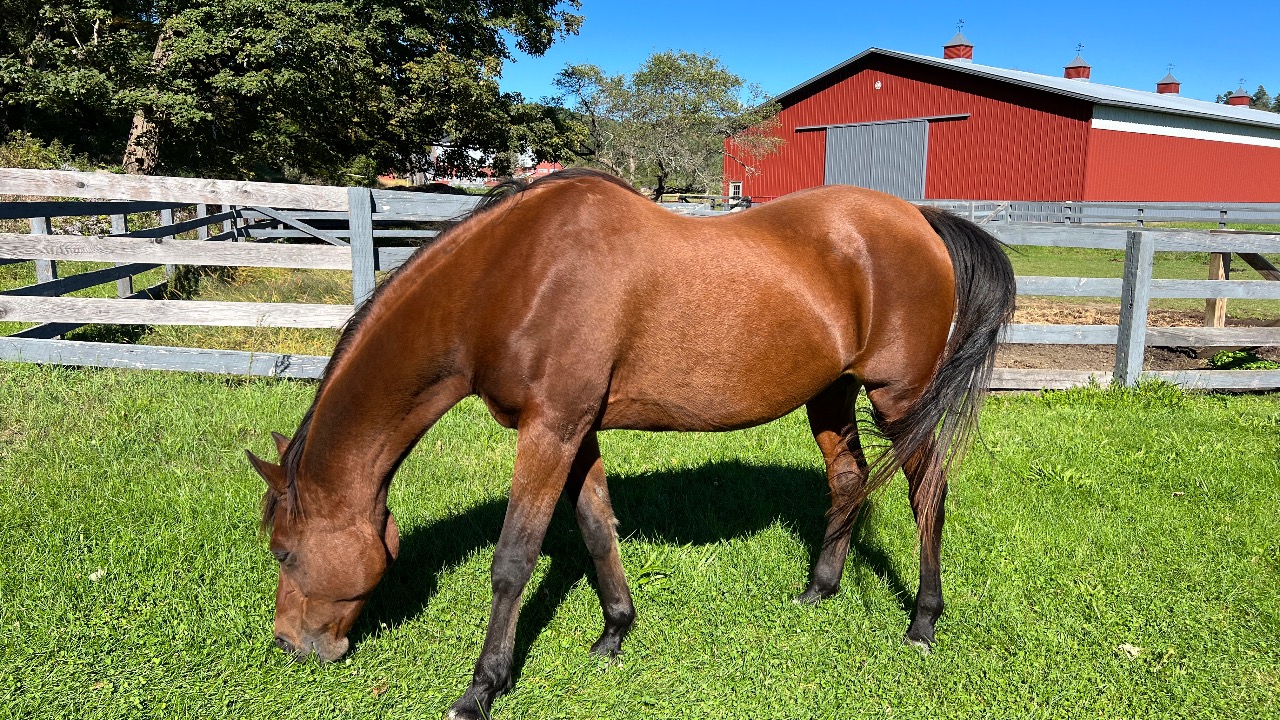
x=959, y=24
x=1170, y=68
x=1079, y=48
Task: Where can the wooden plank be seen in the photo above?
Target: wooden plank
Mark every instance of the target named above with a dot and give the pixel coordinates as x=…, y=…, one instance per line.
x=169, y=229
x=172, y=312
x=1111, y=287
x=181, y=252
x=1112, y=238
x=363, y=258
x=1057, y=236
x=256, y=232
x=392, y=257
x=72, y=283
x=426, y=205
x=1132, y=335
x=1156, y=336
x=149, y=357
x=1219, y=379
x=47, y=331
x=288, y=219
x=1262, y=265
x=61, y=183
x=1029, y=379
x=78, y=208
x=1060, y=334
x=1215, y=309
x=1213, y=337
x=1026, y=379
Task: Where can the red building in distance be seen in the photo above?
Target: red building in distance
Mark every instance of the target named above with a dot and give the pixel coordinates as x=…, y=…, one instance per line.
x=948, y=128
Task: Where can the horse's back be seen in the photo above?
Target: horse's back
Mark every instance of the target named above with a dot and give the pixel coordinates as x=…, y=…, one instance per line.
x=709, y=323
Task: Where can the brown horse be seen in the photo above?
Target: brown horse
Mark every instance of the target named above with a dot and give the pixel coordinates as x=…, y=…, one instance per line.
x=575, y=305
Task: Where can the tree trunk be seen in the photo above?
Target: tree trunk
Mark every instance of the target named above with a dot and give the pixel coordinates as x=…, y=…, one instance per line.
x=661, y=188
x=142, y=151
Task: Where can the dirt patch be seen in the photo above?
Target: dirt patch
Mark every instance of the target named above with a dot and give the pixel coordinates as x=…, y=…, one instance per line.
x=1103, y=357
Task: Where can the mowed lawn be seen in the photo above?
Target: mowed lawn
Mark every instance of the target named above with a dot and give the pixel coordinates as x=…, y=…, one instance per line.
x=1107, y=554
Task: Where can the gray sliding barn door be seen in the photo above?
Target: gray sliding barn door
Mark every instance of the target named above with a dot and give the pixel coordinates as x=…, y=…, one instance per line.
x=889, y=157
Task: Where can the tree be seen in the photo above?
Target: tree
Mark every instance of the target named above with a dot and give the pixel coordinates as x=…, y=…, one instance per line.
x=263, y=88
x=665, y=125
x=1261, y=99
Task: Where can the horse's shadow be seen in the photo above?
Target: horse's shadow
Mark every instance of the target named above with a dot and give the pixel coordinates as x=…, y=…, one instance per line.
x=701, y=505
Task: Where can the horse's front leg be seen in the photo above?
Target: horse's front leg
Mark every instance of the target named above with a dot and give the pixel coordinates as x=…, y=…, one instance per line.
x=545, y=450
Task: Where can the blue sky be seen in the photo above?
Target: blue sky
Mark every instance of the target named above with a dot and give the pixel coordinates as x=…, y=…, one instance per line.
x=780, y=44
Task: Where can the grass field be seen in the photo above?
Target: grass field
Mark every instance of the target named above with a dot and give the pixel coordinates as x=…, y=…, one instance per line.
x=1108, y=554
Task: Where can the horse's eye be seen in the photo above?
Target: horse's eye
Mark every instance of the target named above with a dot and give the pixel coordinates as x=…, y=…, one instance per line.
x=281, y=556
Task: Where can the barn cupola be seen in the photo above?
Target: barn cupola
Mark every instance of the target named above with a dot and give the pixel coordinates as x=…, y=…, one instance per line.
x=1168, y=85
x=958, y=48
x=1240, y=96
x=1077, y=69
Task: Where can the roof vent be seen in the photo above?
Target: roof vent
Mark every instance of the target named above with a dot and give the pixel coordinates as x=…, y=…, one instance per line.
x=1240, y=96
x=1168, y=85
x=958, y=48
x=1077, y=69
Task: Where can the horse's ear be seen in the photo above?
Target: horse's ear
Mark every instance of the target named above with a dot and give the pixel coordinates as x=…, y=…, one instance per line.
x=282, y=443
x=391, y=536
x=272, y=473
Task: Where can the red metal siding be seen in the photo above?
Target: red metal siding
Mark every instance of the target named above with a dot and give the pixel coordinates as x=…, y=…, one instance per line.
x=1135, y=166
x=1016, y=144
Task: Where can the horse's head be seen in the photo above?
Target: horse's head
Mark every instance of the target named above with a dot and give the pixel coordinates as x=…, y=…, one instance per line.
x=330, y=560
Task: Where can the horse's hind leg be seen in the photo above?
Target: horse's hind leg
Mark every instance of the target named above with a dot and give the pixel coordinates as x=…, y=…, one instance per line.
x=834, y=426
x=927, y=485
x=589, y=495
x=929, y=508
x=545, y=451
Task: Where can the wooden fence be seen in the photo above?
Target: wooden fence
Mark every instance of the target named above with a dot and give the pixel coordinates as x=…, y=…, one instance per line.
x=262, y=224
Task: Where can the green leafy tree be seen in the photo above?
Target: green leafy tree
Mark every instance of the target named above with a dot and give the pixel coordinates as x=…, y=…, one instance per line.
x=665, y=125
x=262, y=88
x=1261, y=99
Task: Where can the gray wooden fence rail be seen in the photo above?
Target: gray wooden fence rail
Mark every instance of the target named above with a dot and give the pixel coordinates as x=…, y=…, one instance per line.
x=262, y=224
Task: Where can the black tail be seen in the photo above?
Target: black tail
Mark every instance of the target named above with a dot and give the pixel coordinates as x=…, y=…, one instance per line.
x=935, y=431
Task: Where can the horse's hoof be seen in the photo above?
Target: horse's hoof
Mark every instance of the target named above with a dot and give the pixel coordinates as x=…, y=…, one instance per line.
x=607, y=647
x=924, y=646
x=813, y=596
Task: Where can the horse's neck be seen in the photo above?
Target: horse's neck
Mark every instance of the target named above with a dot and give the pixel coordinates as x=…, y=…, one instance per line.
x=394, y=379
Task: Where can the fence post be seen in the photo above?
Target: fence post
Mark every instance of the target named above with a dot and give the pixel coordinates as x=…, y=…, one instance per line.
x=1135, y=292
x=360, y=206
x=229, y=225
x=1215, y=309
x=166, y=218
x=120, y=226
x=46, y=270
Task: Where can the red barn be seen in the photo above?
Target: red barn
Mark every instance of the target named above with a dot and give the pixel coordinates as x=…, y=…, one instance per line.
x=926, y=127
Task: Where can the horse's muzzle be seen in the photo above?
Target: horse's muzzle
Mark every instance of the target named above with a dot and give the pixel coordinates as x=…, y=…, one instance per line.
x=325, y=652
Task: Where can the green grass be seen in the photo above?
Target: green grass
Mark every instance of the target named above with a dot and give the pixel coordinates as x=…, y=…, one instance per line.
x=134, y=584
x=1086, y=262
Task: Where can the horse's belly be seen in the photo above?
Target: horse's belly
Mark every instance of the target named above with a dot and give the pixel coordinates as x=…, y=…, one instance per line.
x=685, y=387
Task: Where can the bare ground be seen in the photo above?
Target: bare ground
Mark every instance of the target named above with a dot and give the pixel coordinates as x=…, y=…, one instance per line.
x=1102, y=357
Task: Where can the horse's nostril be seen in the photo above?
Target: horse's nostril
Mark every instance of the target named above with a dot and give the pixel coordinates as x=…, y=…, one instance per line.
x=285, y=645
